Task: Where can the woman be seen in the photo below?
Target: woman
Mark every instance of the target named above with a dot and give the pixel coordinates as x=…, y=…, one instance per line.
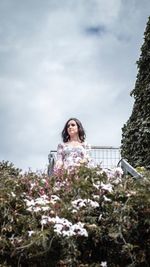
x=74, y=150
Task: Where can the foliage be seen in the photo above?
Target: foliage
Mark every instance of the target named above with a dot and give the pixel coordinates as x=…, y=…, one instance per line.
x=136, y=132
x=87, y=217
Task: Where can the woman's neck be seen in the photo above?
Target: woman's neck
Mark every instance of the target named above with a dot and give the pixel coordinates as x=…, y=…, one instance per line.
x=75, y=139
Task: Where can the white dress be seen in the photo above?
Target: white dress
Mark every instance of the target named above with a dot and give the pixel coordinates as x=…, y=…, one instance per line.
x=69, y=156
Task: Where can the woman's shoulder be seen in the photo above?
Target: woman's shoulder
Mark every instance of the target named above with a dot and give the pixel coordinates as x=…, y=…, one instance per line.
x=60, y=145
x=86, y=145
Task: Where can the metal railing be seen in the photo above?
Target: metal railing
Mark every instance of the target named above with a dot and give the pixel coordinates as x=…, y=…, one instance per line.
x=105, y=156
x=128, y=169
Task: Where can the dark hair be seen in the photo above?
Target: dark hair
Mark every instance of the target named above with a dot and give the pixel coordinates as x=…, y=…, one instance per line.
x=65, y=135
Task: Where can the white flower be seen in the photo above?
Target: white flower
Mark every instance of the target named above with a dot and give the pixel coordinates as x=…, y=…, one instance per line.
x=79, y=229
x=31, y=233
x=65, y=228
x=107, y=187
x=32, y=185
x=97, y=185
x=117, y=180
x=58, y=228
x=36, y=209
x=30, y=202
x=63, y=221
x=93, y=204
x=58, y=185
x=43, y=180
x=44, y=196
x=74, y=211
x=45, y=219
x=103, y=264
x=41, y=200
x=45, y=208
x=114, y=173
x=100, y=216
x=79, y=203
x=107, y=199
x=52, y=220
x=67, y=233
x=118, y=171
x=54, y=199
x=62, y=226
x=30, y=209
x=13, y=195
x=79, y=224
x=100, y=172
x=38, y=204
x=109, y=174
x=96, y=196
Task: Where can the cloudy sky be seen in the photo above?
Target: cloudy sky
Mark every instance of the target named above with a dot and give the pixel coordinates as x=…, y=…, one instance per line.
x=64, y=58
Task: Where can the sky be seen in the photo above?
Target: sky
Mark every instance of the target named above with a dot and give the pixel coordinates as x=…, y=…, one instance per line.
x=62, y=59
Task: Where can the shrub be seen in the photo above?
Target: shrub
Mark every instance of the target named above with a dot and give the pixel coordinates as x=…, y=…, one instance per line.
x=88, y=217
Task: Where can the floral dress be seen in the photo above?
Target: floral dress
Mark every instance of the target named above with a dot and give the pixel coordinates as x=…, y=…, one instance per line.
x=69, y=156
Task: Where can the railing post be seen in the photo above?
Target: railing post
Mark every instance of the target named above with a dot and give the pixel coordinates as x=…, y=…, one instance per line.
x=127, y=168
x=51, y=159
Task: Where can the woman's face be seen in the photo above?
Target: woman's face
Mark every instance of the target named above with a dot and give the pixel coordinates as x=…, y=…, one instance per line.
x=72, y=128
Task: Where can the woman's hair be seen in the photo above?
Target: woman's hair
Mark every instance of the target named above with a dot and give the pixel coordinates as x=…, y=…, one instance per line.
x=81, y=132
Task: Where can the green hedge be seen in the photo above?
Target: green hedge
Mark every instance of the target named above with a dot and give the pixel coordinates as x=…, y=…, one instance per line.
x=89, y=217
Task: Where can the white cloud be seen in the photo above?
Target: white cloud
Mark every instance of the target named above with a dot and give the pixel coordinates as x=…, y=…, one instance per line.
x=64, y=59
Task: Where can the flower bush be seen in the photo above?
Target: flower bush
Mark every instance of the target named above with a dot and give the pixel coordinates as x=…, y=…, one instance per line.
x=88, y=217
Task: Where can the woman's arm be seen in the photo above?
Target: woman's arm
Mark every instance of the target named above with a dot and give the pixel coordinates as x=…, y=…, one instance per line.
x=59, y=157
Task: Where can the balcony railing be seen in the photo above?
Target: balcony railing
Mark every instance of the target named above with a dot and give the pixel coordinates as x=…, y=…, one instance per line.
x=105, y=156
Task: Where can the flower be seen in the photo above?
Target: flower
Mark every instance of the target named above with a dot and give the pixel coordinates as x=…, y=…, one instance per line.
x=42, y=200
x=45, y=208
x=79, y=229
x=30, y=202
x=45, y=219
x=54, y=199
x=36, y=209
x=31, y=232
x=100, y=217
x=103, y=264
x=118, y=171
x=97, y=185
x=114, y=174
x=64, y=227
x=80, y=203
x=107, y=187
x=107, y=199
x=13, y=195
x=93, y=204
